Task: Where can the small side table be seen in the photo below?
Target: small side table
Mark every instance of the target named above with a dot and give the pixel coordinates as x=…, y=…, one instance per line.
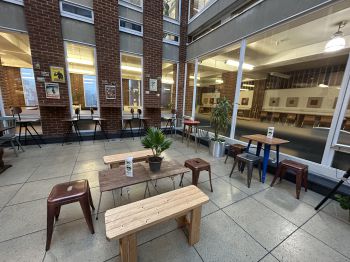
x=98, y=121
x=73, y=124
x=197, y=165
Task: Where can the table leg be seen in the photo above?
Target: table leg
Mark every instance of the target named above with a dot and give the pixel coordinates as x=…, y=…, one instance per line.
x=95, y=130
x=248, y=146
x=277, y=155
x=130, y=125
x=183, y=133
x=258, y=148
x=266, y=161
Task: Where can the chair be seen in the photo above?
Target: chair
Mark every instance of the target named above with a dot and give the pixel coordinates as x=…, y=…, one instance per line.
x=346, y=125
x=308, y=120
x=263, y=116
x=290, y=119
x=325, y=121
x=234, y=150
x=298, y=169
x=9, y=135
x=170, y=122
x=66, y=193
x=250, y=160
x=16, y=110
x=275, y=117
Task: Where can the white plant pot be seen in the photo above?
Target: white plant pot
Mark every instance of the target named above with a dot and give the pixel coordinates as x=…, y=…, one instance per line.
x=217, y=148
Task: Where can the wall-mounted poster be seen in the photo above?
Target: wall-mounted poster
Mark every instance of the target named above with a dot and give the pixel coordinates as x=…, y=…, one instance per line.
x=153, y=85
x=292, y=101
x=245, y=101
x=314, y=102
x=57, y=74
x=111, y=92
x=52, y=90
x=274, y=101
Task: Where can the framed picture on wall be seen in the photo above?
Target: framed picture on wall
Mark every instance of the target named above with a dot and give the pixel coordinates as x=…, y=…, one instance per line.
x=292, y=101
x=57, y=74
x=314, y=102
x=244, y=101
x=111, y=92
x=274, y=101
x=52, y=90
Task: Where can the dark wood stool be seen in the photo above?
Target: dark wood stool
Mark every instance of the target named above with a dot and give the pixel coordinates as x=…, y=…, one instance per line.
x=235, y=150
x=66, y=193
x=299, y=170
x=197, y=165
x=250, y=160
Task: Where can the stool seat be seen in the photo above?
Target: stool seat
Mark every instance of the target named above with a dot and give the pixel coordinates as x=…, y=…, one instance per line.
x=293, y=164
x=197, y=165
x=250, y=160
x=68, y=191
x=248, y=157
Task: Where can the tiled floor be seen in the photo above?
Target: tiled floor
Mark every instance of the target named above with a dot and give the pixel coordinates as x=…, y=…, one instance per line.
x=239, y=223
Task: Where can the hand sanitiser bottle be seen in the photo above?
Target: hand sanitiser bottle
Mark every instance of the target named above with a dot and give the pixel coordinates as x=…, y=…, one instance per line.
x=128, y=166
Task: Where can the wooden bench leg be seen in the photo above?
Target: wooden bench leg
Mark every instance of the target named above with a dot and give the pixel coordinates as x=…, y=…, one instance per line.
x=194, y=226
x=182, y=221
x=127, y=248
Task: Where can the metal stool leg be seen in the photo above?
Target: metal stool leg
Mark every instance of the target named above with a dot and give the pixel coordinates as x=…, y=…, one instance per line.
x=98, y=207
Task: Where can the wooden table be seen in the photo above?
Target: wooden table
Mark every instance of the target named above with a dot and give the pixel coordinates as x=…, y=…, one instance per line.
x=191, y=124
x=115, y=178
x=268, y=142
x=117, y=159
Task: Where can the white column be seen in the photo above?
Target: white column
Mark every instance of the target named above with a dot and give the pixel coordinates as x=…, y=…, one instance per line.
x=338, y=116
x=184, y=94
x=177, y=84
x=194, y=89
x=238, y=88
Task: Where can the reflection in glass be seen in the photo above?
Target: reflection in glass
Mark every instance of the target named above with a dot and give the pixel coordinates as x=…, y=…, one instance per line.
x=198, y=5
x=171, y=9
x=29, y=88
x=168, y=92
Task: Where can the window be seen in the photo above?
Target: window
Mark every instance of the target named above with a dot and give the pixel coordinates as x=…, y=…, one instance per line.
x=17, y=2
x=168, y=92
x=170, y=38
x=198, y=6
x=130, y=27
x=82, y=78
x=131, y=71
x=171, y=9
x=133, y=4
x=77, y=12
x=29, y=88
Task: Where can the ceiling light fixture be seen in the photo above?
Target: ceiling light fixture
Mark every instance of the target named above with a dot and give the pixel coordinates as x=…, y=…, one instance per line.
x=323, y=85
x=192, y=77
x=248, y=85
x=131, y=68
x=219, y=81
x=337, y=41
x=167, y=81
x=236, y=64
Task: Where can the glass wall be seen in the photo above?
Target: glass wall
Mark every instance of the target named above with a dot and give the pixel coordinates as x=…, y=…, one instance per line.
x=290, y=82
x=171, y=9
x=198, y=5
x=216, y=80
x=18, y=87
x=131, y=69
x=168, y=92
x=188, y=96
x=82, y=77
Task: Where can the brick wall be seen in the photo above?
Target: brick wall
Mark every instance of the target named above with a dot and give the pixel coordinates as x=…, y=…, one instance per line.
x=228, y=87
x=11, y=87
x=108, y=60
x=182, y=55
x=152, y=58
x=46, y=42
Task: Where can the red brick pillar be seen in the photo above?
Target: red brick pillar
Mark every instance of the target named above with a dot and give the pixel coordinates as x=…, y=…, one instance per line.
x=182, y=55
x=46, y=43
x=108, y=60
x=228, y=87
x=152, y=58
x=258, y=98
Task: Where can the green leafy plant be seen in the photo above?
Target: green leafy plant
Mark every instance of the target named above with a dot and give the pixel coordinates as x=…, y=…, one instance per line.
x=155, y=140
x=220, y=117
x=344, y=202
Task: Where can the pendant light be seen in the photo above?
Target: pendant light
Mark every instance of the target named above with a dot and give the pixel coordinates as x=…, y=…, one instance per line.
x=337, y=41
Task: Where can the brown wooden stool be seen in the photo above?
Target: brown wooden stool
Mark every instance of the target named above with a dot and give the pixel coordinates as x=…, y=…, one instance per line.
x=300, y=171
x=66, y=193
x=197, y=165
x=235, y=150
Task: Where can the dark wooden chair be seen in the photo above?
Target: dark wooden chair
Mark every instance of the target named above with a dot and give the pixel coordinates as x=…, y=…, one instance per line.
x=308, y=120
x=197, y=165
x=290, y=119
x=234, y=150
x=346, y=125
x=275, y=117
x=250, y=160
x=298, y=169
x=66, y=193
x=263, y=116
x=325, y=121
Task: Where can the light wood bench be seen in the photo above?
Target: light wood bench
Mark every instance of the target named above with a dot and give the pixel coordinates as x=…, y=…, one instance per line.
x=117, y=159
x=125, y=221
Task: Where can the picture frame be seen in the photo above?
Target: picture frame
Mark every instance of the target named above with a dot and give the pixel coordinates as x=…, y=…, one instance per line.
x=292, y=101
x=52, y=90
x=245, y=101
x=274, y=101
x=314, y=102
x=57, y=74
x=110, y=91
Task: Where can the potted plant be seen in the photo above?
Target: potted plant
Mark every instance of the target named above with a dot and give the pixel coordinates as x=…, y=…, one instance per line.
x=219, y=121
x=344, y=202
x=155, y=140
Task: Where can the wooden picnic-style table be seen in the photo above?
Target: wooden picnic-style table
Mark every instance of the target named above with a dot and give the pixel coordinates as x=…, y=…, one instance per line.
x=267, y=142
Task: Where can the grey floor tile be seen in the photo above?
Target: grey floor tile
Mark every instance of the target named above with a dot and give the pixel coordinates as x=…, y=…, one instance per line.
x=29, y=248
x=7, y=192
x=263, y=224
x=334, y=209
x=220, y=169
x=224, y=193
x=331, y=231
x=223, y=240
x=172, y=247
x=156, y=231
x=301, y=246
x=51, y=171
x=74, y=242
x=209, y=208
x=286, y=205
x=89, y=165
x=36, y=190
x=269, y=258
x=91, y=176
x=22, y=219
x=16, y=175
x=91, y=155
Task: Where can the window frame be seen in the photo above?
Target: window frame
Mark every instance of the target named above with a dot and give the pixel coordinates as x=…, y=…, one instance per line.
x=171, y=42
x=130, y=31
x=131, y=5
x=190, y=19
x=16, y=2
x=76, y=16
x=172, y=20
